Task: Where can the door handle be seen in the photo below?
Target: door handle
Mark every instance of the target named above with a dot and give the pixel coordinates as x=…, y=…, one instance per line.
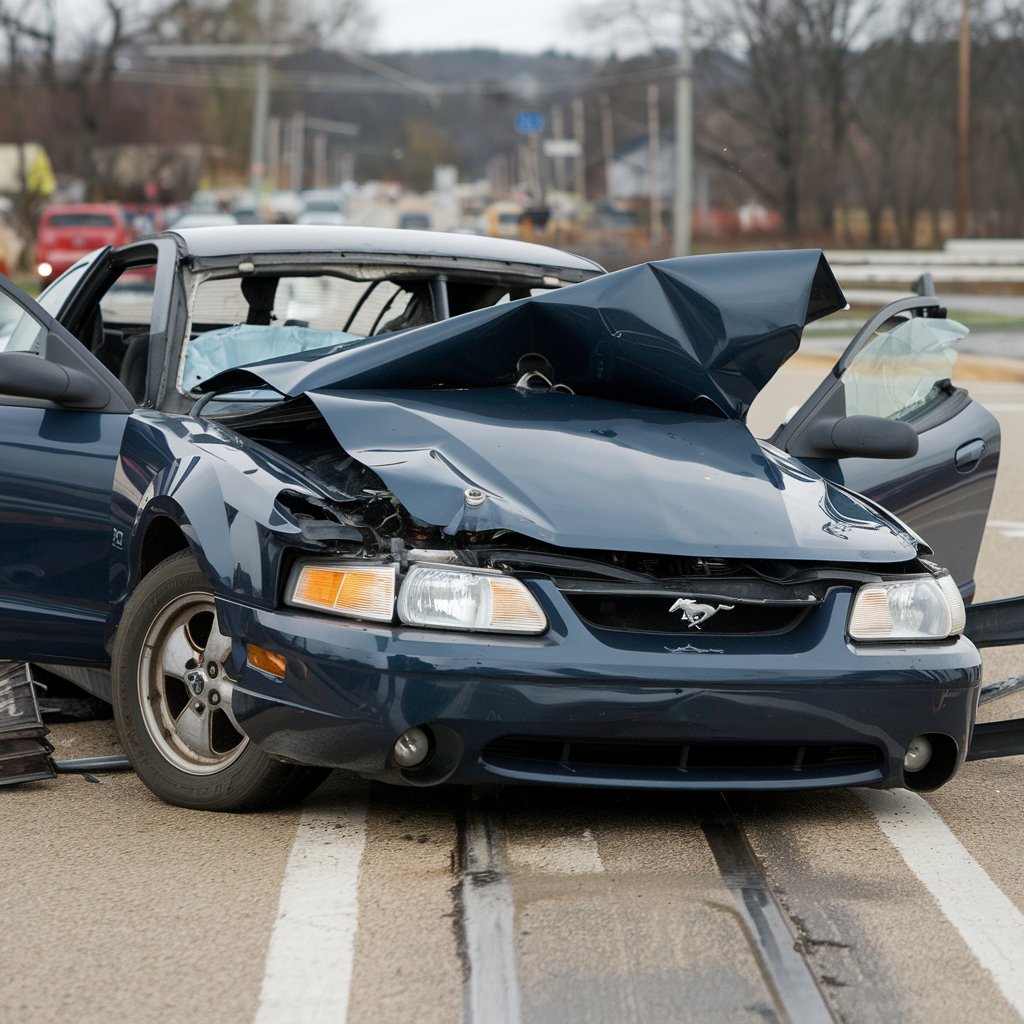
x=969, y=455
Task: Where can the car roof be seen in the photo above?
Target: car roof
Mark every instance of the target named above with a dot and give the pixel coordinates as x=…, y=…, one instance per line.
x=82, y=208
x=253, y=239
x=51, y=208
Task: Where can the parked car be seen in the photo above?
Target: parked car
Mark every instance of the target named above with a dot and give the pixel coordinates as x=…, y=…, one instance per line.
x=321, y=206
x=434, y=507
x=414, y=220
x=67, y=231
x=204, y=220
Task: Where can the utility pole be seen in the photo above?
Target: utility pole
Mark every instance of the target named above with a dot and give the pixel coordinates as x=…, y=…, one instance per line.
x=320, y=160
x=558, y=133
x=260, y=109
x=963, y=124
x=297, y=151
x=682, y=216
x=607, y=143
x=273, y=153
x=579, y=134
x=654, y=162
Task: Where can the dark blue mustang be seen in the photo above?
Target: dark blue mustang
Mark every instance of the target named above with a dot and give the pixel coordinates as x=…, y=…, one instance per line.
x=433, y=508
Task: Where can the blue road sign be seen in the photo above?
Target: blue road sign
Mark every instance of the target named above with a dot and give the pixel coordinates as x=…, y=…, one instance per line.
x=529, y=122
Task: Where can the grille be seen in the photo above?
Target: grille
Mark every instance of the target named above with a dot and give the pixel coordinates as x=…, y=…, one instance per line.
x=709, y=759
x=650, y=614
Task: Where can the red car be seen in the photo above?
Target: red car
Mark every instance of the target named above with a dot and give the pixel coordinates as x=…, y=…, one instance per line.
x=67, y=231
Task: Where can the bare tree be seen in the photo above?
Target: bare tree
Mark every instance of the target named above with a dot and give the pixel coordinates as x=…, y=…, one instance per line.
x=901, y=151
x=324, y=23
x=784, y=112
x=628, y=26
x=62, y=71
x=64, y=62
x=997, y=150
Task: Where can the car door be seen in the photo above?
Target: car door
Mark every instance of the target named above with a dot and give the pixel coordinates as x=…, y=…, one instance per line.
x=62, y=416
x=898, y=367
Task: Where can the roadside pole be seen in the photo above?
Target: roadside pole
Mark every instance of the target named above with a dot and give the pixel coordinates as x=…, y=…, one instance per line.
x=682, y=218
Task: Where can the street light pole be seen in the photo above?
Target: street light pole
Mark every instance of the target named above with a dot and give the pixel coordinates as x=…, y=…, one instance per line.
x=260, y=110
x=963, y=123
x=682, y=219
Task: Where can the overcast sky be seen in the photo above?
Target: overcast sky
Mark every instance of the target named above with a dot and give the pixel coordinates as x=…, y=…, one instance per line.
x=526, y=25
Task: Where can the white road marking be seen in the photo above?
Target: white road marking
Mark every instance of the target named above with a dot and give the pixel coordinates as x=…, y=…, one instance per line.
x=309, y=962
x=574, y=854
x=988, y=922
x=1007, y=527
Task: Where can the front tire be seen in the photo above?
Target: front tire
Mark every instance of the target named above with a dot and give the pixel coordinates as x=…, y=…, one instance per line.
x=172, y=701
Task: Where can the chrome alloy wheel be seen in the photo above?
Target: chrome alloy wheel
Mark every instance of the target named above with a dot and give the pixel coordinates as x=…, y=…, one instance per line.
x=184, y=690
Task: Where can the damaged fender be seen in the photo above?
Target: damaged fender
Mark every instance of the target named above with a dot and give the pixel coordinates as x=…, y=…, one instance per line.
x=231, y=502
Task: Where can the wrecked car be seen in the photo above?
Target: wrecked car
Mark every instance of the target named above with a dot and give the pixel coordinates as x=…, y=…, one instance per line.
x=436, y=508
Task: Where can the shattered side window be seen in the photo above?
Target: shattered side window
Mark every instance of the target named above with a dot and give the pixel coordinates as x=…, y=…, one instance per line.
x=901, y=371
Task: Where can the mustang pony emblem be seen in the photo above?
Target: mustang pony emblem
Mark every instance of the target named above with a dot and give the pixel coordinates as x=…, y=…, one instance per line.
x=694, y=612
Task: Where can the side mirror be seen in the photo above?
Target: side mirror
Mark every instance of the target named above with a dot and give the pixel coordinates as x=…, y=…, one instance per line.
x=863, y=437
x=24, y=375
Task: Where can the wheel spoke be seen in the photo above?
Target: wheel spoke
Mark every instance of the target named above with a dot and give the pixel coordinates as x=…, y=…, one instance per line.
x=178, y=652
x=218, y=646
x=193, y=729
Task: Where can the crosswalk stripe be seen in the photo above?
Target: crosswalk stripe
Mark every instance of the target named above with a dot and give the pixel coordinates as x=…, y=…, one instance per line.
x=1007, y=527
x=309, y=962
x=986, y=919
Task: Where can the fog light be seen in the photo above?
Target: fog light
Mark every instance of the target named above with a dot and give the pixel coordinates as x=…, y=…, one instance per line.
x=412, y=748
x=919, y=753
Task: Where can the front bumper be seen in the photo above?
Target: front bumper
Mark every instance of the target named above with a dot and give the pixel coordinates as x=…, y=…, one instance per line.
x=585, y=706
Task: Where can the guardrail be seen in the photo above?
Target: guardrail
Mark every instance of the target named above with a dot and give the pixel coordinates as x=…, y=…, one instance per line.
x=999, y=260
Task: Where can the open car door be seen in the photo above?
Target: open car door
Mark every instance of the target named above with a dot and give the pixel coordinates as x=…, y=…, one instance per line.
x=899, y=367
x=62, y=415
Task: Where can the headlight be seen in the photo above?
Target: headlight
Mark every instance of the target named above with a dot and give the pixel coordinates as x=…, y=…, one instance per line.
x=468, y=599
x=921, y=609
x=44, y=270
x=358, y=591
x=476, y=599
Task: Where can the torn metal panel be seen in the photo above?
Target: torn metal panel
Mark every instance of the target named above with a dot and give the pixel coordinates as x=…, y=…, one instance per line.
x=997, y=739
x=698, y=334
x=588, y=473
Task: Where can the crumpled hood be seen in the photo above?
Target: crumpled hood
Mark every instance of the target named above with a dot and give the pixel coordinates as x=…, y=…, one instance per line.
x=698, y=334
x=587, y=473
